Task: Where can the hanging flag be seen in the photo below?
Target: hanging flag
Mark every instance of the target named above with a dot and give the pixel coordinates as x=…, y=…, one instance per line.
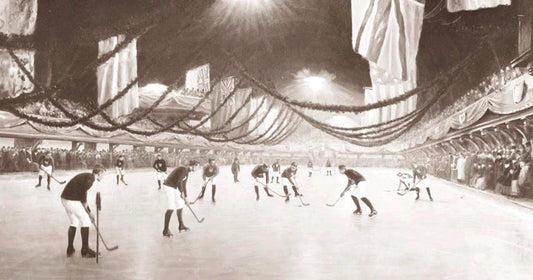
x=197, y=79
x=221, y=90
x=239, y=98
x=470, y=5
x=387, y=32
x=116, y=74
x=18, y=16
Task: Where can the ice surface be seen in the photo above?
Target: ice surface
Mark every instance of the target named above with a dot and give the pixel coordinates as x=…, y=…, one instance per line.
x=461, y=235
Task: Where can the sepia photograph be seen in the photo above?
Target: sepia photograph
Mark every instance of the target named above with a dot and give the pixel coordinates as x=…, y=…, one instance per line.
x=266, y=139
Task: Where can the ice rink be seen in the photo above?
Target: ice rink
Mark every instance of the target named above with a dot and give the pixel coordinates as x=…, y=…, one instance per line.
x=461, y=235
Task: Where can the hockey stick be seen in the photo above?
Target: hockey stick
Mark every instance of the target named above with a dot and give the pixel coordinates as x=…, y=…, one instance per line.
x=51, y=176
x=200, y=194
x=194, y=214
x=101, y=238
x=303, y=202
x=334, y=203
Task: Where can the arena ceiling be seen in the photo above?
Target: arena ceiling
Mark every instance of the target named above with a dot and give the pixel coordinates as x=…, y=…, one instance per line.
x=274, y=39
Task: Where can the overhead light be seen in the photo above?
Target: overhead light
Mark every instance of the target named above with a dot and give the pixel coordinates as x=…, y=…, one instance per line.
x=315, y=83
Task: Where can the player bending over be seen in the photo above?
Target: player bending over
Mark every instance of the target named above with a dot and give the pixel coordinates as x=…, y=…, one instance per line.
x=160, y=166
x=358, y=182
x=46, y=167
x=176, y=189
x=260, y=177
x=120, y=164
x=209, y=174
x=74, y=199
x=288, y=177
x=276, y=168
x=420, y=173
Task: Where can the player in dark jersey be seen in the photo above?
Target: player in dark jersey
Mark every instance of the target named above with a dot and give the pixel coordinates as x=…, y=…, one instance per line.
x=310, y=168
x=276, y=169
x=46, y=167
x=160, y=166
x=120, y=164
x=260, y=177
x=209, y=175
x=176, y=189
x=288, y=177
x=420, y=174
x=74, y=199
x=329, y=169
x=358, y=182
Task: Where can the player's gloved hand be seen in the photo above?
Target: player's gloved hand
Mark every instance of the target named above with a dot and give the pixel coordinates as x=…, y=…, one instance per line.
x=91, y=216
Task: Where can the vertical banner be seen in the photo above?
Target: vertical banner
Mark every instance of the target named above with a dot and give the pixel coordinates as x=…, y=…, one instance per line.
x=240, y=97
x=220, y=92
x=198, y=79
x=116, y=73
x=17, y=17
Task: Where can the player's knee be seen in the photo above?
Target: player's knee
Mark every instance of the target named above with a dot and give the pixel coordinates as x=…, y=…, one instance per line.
x=86, y=221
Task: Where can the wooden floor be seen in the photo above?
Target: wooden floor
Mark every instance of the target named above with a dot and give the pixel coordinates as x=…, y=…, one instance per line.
x=461, y=235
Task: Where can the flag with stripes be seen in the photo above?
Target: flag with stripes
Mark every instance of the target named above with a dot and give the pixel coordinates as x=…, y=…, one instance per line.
x=239, y=98
x=387, y=32
x=470, y=5
x=221, y=90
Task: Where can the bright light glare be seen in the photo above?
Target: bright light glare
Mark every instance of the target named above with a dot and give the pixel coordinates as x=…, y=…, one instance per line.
x=315, y=83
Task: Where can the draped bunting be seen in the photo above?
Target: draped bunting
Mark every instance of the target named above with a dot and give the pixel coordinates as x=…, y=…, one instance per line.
x=387, y=34
x=18, y=16
x=517, y=95
x=115, y=74
x=198, y=79
x=174, y=102
x=220, y=91
x=469, y=5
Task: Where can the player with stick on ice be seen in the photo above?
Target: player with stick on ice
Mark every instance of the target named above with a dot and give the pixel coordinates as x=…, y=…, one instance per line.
x=358, y=182
x=176, y=189
x=288, y=178
x=120, y=164
x=420, y=174
x=260, y=178
x=74, y=200
x=160, y=166
x=209, y=175
x=46, y=167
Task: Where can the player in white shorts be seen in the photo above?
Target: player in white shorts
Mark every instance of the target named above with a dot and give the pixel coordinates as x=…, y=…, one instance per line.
x=120, y=164
x=160, y=166
x=358, y=183
x=420, y=174
x=176, y=189
x=288, y=178
x=276, y=169
x=46, y=167
x=74, y=200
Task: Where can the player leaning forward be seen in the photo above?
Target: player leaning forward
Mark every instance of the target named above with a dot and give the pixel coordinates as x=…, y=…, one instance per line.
x=176, y=188
x=209, y=174
x=288, y=178
x=260, y=177
x=74, y=199
x=358, y=182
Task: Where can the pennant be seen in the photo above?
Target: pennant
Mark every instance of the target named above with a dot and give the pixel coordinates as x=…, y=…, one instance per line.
x=116, y=74
x=470, y=5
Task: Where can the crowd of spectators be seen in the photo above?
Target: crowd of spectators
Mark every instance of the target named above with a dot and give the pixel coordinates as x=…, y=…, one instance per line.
x=505, y=171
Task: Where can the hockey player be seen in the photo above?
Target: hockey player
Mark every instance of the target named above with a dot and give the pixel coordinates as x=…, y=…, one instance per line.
x=420, y=174
x=329, y=169
x=310, y=168
x=120, y=164
x=74, y=200
x=288, y=178
x=260, y=177
x=46, y=167
x=276, y=168
x=235, y=169
x=176, y=189
x=209, y=175
x=358, y=182
x=160, y=166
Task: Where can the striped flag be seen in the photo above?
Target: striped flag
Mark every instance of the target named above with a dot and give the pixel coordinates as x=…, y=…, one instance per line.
x=221, y=90
x=240, y=97
x=470, y=5
x=387, y=32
